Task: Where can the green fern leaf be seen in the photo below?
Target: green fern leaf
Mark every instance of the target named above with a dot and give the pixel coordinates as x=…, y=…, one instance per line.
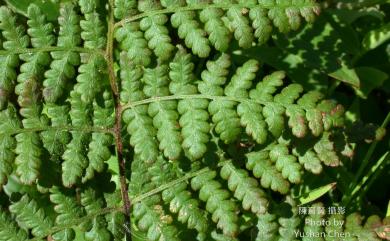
x=8, y=121
x=332, y=114
x=326, y=151
x=353, y=226
x=239, y=23
x=225, y=117
x=310, y=161
x=55, y=141
x=217, y=202
x=154, y=221
x=264, y=92
x=261, y=24
x=139, y=124
x=219, y=34
x=245, y=189
x=267, y=227
x=62, y=68
x=262, y=168
x=74, y=157
x=89, y=81
x=289, y=225
x=93, y=202
x=265, y=89
x=9, y=230
x=285, y=163
x=185, y=207
x=194, y=116
x=164, y=114
x=67, y=207
x=14, y=34
x=115, y=219
x=190, y=31
x=157, y=35
x=88, y=6
x=124, y=8
x=333, y=228
x=41, y=32
x=99, y=147
x=30, y=216
x=315, y=217
x=215, y=76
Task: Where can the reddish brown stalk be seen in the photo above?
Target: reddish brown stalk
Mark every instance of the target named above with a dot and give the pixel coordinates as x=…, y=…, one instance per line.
x=118, y=123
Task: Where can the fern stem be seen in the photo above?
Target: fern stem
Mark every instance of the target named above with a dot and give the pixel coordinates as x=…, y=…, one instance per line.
x=50, y=49
x=118, y=119
x=200, y=7
x=198, y=96
x=161, y=188
x=62, y=128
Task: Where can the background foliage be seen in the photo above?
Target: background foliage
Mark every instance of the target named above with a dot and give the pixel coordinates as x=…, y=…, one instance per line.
x=193, y=120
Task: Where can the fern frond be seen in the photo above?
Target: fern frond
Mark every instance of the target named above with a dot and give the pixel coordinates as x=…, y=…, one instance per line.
x=289, y=224
x=353, y=225
x=8, y=64
x=9, y=229
x=55, y=141
x=14, y=35
x=164, y=114
x=250, y=113
x=217, y=202
x=287, y=16
x=62, y=68
x=157, y=35
x=252, y=119
x=189, y=29
x=219, y=34
x=132, y=40
x=99, y=147
x=225, y=117
x=285, y=163
x=333, y=228
x=215, y=76
x=90, y=79
x=212, y=80
x=28, y=149
x=115, y=219
x=261, y=24
x=332, y=114
x=93, y=202
x=30, y=216
x=245, y=188
x=315, y=217
x=28, y=159
x=124, y=8
x=313, y=115
x=153, y=220
x=88, y=6
x=139, y=124
x=75, y=157
x=41, y=32
x=309, y=160
x=194, y=115
x=67, y=208
x=239, y=23
x=262, y=168
x=8, y=121
x=272, y=112
x=326, y=151
x=186, y=207
x=267, y=227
